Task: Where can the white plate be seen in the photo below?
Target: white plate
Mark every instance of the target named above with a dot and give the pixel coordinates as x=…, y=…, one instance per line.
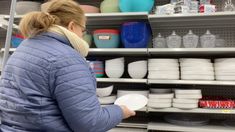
x=160, y=100
x=196, y=65
x=163, y=65
x=186, y=101
x=197, y=68
x=164, y=72
x=161, y=96
x=225, y=78
x=159, y=105
x=188, y=96
x=197, y=77
x=225, y=60
x=132, y=101
x=225, y=73
x=158, y=90
x=197, y=72
x=191, y=60
x=107, y=100
x=163, y=68
x=185, y=91
x=125, y=92
x=185, y=106
x=163, y=60
x=163, y=76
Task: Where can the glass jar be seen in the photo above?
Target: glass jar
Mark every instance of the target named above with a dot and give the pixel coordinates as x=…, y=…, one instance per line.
x=159, y=42
x=190, y=40
x=174, y=40
x=207, y=40
x=219, y=42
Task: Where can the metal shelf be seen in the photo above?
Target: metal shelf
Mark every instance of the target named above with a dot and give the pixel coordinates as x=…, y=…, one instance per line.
x=199, y=110
x=196, y=52
x=218, y=18
x=121, y=80
x=192, y=82
x=159, y=126
x=133, y=125
x=107, y=19
x=119, y=51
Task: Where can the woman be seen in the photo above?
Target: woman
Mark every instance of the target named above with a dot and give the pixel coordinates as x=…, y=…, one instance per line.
x=47, y=86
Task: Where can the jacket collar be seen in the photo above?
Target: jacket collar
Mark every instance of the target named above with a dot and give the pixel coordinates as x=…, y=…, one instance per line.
x=58, y=37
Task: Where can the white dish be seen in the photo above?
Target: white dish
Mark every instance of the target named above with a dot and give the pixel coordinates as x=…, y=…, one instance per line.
x=114, y=73
x=107, y=100
x=197, y=77
x=164, y=72
x=188, y=96
x=159, y=105
x=225, y=78
x=225, y=60
x=137, y=74
x=225, y=73
x=132, y=101
x=185, y=101
x=104, y=92
x=163, y=60
x=184, y=91
x=161, y=96
x=197, y=69
x=163, y=68
x=160, y=100
x=158, y=90
x=163, y=76
x=163, y=65
x=185, y=106
x=205, y=73
x=125, y=92
x=191, y=60
x=196, y=65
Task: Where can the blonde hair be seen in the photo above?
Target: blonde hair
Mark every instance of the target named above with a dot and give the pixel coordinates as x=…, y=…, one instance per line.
x=59, y=12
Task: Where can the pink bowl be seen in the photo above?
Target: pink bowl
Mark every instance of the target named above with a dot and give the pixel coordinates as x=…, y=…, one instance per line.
x=90, y=9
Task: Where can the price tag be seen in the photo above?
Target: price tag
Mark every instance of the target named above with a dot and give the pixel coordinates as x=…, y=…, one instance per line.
x=226, y=111
x=104, y=37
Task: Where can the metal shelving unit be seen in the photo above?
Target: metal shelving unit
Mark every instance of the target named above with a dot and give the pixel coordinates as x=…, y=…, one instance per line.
x=119, y=51
x=192, y=82
x=199, y=110
x=160, y=126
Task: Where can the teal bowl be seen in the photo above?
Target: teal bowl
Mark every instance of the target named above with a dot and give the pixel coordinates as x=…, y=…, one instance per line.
x=136, y=5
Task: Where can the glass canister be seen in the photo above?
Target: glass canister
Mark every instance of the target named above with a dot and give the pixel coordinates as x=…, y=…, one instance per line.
x=159, y=42
x=173, y=41
x=190, y=40
x=208, y=40
x=219, y=42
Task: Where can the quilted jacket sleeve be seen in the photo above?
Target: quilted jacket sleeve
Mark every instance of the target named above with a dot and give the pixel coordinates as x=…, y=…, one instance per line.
x=74, y=89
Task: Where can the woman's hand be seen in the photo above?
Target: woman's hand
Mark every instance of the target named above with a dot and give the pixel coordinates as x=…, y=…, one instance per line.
x=127, y=112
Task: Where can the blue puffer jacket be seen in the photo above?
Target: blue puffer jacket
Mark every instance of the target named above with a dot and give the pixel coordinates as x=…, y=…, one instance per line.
x=47, y=86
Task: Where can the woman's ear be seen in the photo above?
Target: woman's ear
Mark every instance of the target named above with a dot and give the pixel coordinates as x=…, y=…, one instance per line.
x=71, y=26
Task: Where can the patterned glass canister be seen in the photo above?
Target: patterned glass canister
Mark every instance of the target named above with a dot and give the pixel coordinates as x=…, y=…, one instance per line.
x=208, y=40
x=190, y=40
x=159, y=42
x=173, y=41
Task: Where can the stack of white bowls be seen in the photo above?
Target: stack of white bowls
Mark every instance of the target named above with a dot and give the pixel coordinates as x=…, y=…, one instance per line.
x=160, y=100
x=163, y=69
x=138, y=69
x=225, y=69
x=114, y=68
x=121, y=93
x=104, y=95
x=196, y=69
x=187, y=99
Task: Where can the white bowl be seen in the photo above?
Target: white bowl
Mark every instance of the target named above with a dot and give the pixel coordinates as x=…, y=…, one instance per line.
x=186, y=101
x=137, y=74
x=188, y=96
x=163, y=61
x=104, y=92
x=125, y=92
x=185, y=106
x=157, y=90
x=161, y=96
x=159, y=105
x=114, y=73
x=24, y=7
x=152, y=100
x=107, y=100
x=117, y=60
x=137, y=63
x=197, y=77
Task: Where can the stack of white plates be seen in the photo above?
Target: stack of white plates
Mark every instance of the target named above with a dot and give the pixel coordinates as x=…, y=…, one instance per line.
x=196, y=69
x=159, y=101
x=187, y=99
x=225, y=69
x=163, y=69
x=121, y=93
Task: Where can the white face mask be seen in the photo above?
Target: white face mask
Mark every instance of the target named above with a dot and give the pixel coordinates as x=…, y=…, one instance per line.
x=77, y=43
